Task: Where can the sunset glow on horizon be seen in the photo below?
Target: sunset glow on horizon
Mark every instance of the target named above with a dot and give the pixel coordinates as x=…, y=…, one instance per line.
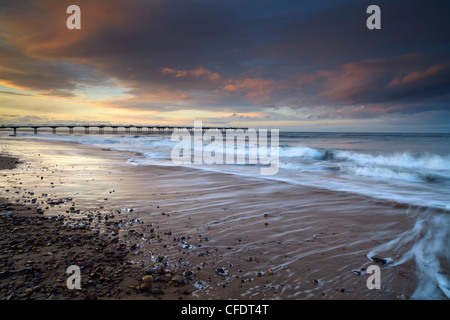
x=291, y=65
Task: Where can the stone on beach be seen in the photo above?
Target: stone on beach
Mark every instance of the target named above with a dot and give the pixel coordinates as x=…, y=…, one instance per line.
x=147, y=278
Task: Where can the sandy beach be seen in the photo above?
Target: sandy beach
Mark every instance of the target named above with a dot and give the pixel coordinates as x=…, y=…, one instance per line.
x=167, y=232
x=37, y=249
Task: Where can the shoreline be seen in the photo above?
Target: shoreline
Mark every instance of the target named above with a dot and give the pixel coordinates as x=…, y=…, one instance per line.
x=231, y=247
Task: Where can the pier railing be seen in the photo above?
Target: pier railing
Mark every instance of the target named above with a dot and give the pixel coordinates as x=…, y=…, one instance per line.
x=127, y=129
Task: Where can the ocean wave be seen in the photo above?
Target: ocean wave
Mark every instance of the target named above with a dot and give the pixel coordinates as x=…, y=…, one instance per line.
x=399, y=160
x=427, y=245
x=426, y=167
x=303, y=152
x=393, y=173
x=403, y=159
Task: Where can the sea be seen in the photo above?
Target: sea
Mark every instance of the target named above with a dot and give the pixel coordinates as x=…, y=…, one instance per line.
x=401, y=167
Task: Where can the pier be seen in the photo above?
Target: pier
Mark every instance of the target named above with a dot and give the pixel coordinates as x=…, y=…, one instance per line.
x=114, y=129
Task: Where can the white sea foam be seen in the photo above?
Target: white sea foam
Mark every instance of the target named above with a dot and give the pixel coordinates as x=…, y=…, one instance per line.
x=427, y=244
x=418, y=179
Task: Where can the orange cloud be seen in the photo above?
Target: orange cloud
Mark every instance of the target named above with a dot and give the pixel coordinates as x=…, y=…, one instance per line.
x=42, y=32
x=200, y=72
x=375, y=80
x=175, y=73
x=416, y=76
x=254, y=88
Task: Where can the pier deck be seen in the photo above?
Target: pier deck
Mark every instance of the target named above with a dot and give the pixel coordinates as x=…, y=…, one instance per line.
x=127, y=129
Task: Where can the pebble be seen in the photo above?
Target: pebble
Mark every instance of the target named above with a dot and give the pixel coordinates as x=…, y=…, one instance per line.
x=90, y=296
x=359, y=272
x=179, y=280
x=37, y=288
x=147, y=278
x=145, y=286
x=156, y=291
x=379, y=260
x=58, y=238
x=188, y=274
x=221, y=271
x=9, y=214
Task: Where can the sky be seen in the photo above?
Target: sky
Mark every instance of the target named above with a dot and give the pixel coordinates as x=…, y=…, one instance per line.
x=294, y=65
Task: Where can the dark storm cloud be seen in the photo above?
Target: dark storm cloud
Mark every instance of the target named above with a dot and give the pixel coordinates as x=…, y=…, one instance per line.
x=407, y=78
x=47, y=77
x=239, y=55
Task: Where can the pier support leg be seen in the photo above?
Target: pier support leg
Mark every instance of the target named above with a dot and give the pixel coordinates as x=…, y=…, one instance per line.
x=35, y=130
x=54, y=130
x=86, y=130
x=70, y=130
x=15, y=131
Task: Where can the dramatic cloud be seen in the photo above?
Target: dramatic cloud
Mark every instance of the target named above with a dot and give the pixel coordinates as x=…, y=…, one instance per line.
x=196, y=73
x=403, y=78
x=237, y=60
x=254, y=88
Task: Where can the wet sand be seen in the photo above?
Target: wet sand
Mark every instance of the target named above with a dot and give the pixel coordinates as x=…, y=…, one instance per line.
x=37, y=250
x=198, y=234
x=7, y=162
